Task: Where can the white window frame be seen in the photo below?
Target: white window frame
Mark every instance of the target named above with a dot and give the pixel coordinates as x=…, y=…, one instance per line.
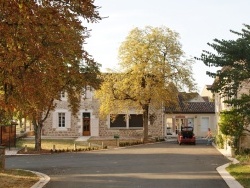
x=63, y=95
x=56, y=119
x=61, y=119
x=87, y=93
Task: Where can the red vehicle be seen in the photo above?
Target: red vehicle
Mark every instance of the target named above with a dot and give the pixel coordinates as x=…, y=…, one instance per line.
x=186, y=135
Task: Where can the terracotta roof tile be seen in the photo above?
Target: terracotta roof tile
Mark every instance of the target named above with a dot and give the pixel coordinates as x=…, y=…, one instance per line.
x=191, y=107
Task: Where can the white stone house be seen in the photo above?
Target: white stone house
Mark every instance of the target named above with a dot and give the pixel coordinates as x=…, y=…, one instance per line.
x=61, y=122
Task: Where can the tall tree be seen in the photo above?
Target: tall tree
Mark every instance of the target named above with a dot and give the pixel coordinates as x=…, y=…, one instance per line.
x=153, y=68
x=233, y=57
x=41, y=54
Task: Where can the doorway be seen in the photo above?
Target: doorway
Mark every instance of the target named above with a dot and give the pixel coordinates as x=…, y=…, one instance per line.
x=179, y=123
x=204, y=124
x=86, y=124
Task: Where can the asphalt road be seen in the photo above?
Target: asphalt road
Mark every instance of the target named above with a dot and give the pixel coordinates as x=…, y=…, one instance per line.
x=157, y=165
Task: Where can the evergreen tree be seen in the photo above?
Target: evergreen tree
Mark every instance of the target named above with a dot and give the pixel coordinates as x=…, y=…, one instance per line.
x=232, y=80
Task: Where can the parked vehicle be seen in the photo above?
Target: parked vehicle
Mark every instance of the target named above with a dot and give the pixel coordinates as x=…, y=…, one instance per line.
x=186, y=135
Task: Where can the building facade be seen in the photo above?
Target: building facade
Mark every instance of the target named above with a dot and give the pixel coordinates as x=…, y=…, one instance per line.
x=220, y=106
x=195, y=112
x=87, y=122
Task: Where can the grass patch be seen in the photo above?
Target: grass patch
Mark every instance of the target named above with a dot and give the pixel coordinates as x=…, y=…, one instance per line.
x=241, y=172
x=17, y=178
x=47, y=144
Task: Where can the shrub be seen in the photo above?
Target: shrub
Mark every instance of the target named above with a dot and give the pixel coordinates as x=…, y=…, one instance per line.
x=219, y=141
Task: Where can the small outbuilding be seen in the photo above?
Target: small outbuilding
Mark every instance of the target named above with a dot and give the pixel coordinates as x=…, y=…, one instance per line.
x=193, y=111
x=8, y=135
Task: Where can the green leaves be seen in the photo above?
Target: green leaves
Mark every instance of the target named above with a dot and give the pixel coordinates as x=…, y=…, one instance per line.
x=231, y=123
x=233, y=56
x=232, y=81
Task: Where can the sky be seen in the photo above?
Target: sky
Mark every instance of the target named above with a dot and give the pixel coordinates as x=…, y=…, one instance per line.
x=197, y=22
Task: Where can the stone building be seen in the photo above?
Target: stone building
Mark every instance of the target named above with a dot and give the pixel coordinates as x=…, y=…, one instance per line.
x=61, y=122
x=194, y=111
x=87, y=122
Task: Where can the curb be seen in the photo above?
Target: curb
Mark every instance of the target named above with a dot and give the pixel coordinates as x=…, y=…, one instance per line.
x=230, y=180
x=44, y=179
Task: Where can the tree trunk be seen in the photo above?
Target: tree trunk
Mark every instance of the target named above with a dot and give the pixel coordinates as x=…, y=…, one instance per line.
x=20, y=122
x=145, y=109
x=24, y=123
x=37, y=121
x=37, y=131
x=31, y=128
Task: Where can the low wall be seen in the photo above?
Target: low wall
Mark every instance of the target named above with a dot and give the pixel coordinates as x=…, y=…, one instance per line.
x=112, y=141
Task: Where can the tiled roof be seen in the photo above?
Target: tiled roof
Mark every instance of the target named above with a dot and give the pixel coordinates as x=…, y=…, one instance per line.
x=191, y=107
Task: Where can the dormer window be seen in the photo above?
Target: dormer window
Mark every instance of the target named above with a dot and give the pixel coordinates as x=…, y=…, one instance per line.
x=62, y=94
x=86, y=92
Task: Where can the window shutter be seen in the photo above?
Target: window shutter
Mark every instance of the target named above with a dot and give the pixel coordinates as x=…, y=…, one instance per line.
x=67, y=119
x=55, y=120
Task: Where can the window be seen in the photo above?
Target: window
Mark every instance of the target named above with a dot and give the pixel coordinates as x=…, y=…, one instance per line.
x=119, y=121
x=179, y=122
x=126, y=121
x=62, y=94
x=87, y=92
x=61, y=119
x=135, y=120
x=191, y=122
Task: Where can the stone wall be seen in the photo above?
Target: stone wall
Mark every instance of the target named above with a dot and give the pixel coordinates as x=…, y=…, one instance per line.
x=245, y=142
x=111, y=141
x=155, y=129
x=92, y=105
x=50, y=130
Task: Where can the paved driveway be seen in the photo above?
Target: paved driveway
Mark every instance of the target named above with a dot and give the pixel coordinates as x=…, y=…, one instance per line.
x=157, y=165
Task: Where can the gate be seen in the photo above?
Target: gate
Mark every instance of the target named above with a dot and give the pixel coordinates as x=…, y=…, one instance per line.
x=8, y=135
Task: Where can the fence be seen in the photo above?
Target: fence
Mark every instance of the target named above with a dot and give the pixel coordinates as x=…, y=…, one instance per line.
x=8, y=135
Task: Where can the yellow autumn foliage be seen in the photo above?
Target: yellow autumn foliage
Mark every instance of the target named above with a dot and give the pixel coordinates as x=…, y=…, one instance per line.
x=152, y=71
